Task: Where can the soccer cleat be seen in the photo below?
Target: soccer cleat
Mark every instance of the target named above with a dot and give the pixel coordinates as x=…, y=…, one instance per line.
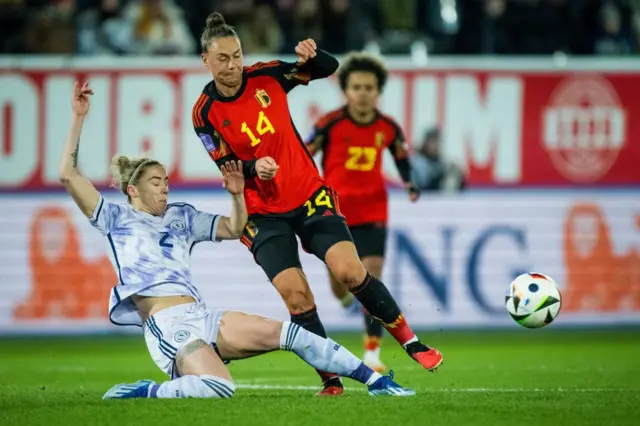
x=429, y=358
x=332, y=387
x=386, y=386
x=139, y=389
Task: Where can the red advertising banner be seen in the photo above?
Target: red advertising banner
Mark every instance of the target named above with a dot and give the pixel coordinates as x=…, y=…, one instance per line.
x=527, y=124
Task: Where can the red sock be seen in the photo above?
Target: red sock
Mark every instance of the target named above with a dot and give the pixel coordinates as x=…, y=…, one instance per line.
x=400, y=330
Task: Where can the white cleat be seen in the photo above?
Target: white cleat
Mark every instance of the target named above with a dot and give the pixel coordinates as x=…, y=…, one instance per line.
x=139, y=389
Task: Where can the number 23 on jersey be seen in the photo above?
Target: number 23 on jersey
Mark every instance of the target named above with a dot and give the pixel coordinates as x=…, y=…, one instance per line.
x=362, y=159
x=262, y=126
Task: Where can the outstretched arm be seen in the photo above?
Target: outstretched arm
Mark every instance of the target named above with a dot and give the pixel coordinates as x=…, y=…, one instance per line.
x=231, y=227
x=83, y=192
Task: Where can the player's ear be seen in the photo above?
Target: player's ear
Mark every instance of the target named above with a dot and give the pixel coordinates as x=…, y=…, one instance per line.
x=132, y=191
x=205, y=60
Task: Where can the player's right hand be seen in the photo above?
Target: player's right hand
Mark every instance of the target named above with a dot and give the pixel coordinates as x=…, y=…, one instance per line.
x=266, y=168
x=80, y=98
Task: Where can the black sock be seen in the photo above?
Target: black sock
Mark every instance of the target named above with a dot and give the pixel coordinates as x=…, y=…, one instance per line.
x=377, y=300
x=310, y=321
x=372, y=326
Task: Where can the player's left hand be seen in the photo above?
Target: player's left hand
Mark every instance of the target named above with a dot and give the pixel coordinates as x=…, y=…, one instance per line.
x=414, y=193
x=306, y=50
x=232, y=177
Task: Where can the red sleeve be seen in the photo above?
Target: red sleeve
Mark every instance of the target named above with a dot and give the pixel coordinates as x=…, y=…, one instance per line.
x=213, y=142
x=211, y=139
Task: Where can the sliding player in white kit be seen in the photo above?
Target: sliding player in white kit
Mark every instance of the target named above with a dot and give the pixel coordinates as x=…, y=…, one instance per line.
x=150, y=243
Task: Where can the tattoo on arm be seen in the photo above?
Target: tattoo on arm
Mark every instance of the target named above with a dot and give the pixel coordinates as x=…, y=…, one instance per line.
x=74, y=155
x=188, y=350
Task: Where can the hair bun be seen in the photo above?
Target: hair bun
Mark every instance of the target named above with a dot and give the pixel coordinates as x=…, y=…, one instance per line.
x=215, y=19
x=122, y=161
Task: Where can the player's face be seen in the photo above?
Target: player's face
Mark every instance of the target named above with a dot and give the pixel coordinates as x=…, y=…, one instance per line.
x=153, y=188
x=362, y=91
x=224, y=60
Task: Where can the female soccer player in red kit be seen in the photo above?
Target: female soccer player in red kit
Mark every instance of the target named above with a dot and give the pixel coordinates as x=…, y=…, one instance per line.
x=243, y=114
x=353, y=140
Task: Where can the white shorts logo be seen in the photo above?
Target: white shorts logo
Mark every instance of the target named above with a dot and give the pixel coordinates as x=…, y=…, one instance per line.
x=178, y=225
x=181, y=336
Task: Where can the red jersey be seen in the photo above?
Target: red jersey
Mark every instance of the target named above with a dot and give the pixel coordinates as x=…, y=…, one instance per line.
x=352, y=161
x=256, y=123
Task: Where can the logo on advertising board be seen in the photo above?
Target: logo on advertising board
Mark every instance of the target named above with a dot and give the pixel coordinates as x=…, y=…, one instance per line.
x=64, y=284
x=584, y=128
x=597, y=278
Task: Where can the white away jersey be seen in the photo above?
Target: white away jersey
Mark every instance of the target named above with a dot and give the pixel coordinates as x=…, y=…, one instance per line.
x=150, y=254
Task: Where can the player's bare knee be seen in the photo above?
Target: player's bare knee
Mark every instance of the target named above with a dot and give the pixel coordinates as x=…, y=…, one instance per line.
x=299, y=301
x=264, y=332
x=198, y=357
x=297, y=296
x=349, y=273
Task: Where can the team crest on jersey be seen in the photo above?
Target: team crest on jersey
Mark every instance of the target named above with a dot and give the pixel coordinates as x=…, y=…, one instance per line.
x=178, y=225
x=263, y=98
x=181, y=336
x=379, y=139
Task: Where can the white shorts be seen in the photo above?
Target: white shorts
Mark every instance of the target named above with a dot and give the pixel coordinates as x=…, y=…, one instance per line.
x=167, y=331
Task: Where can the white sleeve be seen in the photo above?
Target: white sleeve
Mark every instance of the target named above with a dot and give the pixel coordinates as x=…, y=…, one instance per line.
x=204, y=226
x=105, y=215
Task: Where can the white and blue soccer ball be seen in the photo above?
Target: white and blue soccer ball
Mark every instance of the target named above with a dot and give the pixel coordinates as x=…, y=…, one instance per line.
x=533, y=300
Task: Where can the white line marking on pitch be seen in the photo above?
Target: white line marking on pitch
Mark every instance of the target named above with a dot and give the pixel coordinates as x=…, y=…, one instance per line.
x=443, y=390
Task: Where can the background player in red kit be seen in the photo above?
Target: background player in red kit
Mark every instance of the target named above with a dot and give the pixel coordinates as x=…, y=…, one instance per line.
x=354, y=139
x=243, y=114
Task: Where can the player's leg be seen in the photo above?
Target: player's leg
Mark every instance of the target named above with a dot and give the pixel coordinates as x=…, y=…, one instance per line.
x=242, y=335
x=343, y=261
x=178, y=341
x=341, y=292
x=370, y=241
x=328, y=238
x=373, y=328
x=275, y=248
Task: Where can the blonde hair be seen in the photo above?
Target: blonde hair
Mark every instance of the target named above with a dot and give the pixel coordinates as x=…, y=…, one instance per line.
x=128, y=170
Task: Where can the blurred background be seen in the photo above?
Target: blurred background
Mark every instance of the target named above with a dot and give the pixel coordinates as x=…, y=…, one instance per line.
x=161, y=27
x=520, y=115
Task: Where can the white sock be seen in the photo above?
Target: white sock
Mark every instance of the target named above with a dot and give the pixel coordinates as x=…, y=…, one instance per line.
x=204, y=386
x=372, y=353
x=324, y=354
x=413, y=339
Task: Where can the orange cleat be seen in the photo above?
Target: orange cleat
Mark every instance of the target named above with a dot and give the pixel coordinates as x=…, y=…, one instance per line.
x=429, y=358
x=332, y=387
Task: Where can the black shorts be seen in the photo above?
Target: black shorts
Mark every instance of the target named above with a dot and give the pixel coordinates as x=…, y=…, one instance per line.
x=370, y=239
x=318, y=223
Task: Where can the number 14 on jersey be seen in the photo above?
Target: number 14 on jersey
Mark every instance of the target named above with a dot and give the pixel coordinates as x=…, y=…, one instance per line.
x=262, y=126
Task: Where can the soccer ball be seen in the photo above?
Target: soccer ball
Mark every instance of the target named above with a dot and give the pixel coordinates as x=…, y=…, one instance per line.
x=533, y=300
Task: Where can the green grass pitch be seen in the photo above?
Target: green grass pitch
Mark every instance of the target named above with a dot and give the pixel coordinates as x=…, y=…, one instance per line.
x=535, y=377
